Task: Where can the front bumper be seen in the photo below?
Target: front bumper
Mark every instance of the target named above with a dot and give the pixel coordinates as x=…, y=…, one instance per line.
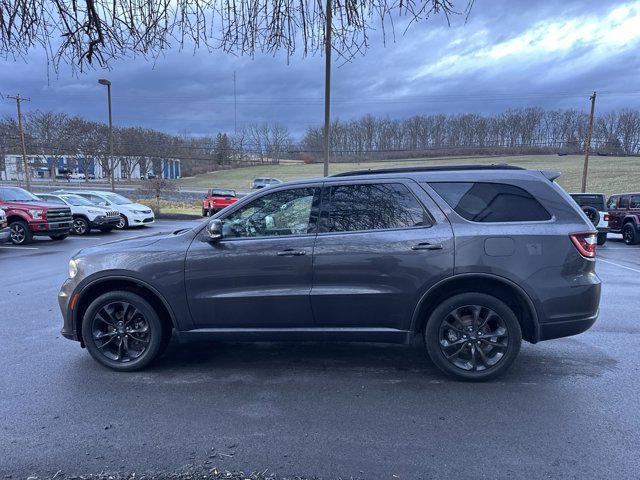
x=4, y=234
x=64, y=300
x=52, y=228
x=140, y=219
x=103, y=221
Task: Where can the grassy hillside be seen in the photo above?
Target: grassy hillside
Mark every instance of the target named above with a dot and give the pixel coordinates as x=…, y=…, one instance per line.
x=606, y=174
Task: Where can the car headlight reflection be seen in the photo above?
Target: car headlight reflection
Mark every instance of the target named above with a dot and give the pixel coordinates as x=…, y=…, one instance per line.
x=73, y=268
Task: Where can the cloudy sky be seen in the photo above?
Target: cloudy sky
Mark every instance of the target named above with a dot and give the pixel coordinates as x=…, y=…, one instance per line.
x=509, y=53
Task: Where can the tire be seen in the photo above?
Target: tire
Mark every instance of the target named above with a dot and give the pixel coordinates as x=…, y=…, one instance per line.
x=80, y=226
x=602, y=238
x=19, y=233
x=212, y=212
x=629, y=234
x=498, y=351
x=104, y=318
x=204, y=212
x=58, y=237
x=592, y=214
x=124, y=223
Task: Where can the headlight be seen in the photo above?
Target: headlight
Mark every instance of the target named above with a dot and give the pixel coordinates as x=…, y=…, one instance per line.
x=141, y=211
x=73, y=268
x=36, y=214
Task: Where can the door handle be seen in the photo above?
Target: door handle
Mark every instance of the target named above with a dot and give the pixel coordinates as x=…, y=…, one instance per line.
x=290, y=252
x=427, y=246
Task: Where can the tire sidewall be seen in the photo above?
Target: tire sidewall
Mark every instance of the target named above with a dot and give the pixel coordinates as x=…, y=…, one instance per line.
x=125, y=223
x=633, y=236
x=431, y=333
x=27, y=234
x=150, y=315
x=86, y=226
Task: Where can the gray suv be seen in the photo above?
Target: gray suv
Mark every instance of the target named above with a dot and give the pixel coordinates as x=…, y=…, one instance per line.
x=472, y=259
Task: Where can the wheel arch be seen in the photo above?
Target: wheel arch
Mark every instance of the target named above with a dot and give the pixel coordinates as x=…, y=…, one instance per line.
x=15, y=216
x=106, y=284
x=635, y=219
x=504, y=289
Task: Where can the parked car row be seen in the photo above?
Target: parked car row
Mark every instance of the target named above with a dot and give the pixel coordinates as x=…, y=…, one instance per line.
x=59, y=213
x=620, y=214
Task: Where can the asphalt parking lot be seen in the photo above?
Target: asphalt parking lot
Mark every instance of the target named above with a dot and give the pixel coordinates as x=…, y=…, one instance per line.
x=567, y=408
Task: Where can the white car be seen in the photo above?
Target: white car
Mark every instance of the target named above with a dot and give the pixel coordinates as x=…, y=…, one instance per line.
x=4, y=227
x=131, y=214
x=86, y=215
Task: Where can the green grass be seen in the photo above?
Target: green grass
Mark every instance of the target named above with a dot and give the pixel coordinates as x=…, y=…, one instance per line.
x=606, y=174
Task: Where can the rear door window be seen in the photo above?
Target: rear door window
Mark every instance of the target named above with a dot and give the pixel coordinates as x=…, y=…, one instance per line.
x=379, y=206
x=491, y=202
x=624, y=203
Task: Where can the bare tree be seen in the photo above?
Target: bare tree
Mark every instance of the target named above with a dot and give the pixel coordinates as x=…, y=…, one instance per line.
x=83, y=32
x=155, y=188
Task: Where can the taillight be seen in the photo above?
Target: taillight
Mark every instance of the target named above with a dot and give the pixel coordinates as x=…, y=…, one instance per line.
x=606, y=217
x=585, y=243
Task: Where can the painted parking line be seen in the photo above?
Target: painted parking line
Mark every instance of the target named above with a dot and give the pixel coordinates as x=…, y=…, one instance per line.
x=20, y=248
x=86, y=238
x=600, y=259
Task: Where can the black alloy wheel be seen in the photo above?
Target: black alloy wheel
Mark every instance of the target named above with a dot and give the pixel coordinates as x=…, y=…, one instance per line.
x=629, y=234
x=122, y=331
x=473, y=336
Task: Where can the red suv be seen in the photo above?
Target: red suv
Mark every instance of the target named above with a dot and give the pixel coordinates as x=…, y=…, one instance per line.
x=216, y=199
x=624, y=216
x=29, y=216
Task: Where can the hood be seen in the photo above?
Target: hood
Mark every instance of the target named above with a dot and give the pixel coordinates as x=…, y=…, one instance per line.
x=127, y=243
x=41, y=205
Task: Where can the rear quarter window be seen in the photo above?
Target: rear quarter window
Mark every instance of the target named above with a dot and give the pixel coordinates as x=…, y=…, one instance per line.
x=491, y=202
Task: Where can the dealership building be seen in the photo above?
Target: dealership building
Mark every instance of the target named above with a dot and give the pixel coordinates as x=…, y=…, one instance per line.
x=43, y=166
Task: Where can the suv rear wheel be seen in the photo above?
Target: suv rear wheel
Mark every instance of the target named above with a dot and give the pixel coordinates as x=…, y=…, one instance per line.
x=473, y=336
x=122, y=331
x=629, y=234
x=19, y=233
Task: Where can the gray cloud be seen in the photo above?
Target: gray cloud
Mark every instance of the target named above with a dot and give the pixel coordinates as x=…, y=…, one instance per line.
x=508, y=54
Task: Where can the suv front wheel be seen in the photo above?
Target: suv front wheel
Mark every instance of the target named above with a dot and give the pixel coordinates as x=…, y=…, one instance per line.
x=122, y=331
x=473, y=336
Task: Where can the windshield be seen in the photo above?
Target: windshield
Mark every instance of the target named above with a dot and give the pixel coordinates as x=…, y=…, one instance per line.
x=76, y=200
x=221, y=192
x=17, y=195
x=116, y=199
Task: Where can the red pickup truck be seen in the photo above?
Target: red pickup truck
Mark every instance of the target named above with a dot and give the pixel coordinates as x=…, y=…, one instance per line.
x=28, y=216
x=216, y=199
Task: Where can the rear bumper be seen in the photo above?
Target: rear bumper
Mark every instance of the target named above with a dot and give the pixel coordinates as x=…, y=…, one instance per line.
x=567, y=328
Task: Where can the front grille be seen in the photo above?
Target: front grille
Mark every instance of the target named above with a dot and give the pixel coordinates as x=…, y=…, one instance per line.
x=147, y=220
x=59, y=215
x=113, y=214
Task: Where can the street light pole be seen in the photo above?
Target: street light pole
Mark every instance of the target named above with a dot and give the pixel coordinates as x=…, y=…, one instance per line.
x=106, y=82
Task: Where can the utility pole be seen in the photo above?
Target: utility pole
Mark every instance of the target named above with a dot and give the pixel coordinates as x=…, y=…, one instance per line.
x=103, y=81
x=235, y=107
x=327, y=87
x=25, y=164
x=587, y=143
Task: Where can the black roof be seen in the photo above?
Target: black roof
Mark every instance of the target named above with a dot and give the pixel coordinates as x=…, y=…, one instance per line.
x=432, y=168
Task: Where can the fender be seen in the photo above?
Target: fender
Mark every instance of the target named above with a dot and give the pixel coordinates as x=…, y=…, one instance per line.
x=17, y=213
x=101, y=277
x=525, y=295
x=633, y=218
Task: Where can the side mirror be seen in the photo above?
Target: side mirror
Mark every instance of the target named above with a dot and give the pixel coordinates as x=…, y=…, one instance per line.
x=214, y=230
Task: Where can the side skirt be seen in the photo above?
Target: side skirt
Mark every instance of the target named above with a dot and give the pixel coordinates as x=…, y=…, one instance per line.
x=385, y=335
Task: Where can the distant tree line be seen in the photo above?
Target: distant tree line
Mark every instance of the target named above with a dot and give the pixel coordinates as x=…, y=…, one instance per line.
x=524, y=130
x=53, y=134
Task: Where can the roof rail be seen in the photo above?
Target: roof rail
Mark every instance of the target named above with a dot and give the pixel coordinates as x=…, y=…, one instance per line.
x=431, y=168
